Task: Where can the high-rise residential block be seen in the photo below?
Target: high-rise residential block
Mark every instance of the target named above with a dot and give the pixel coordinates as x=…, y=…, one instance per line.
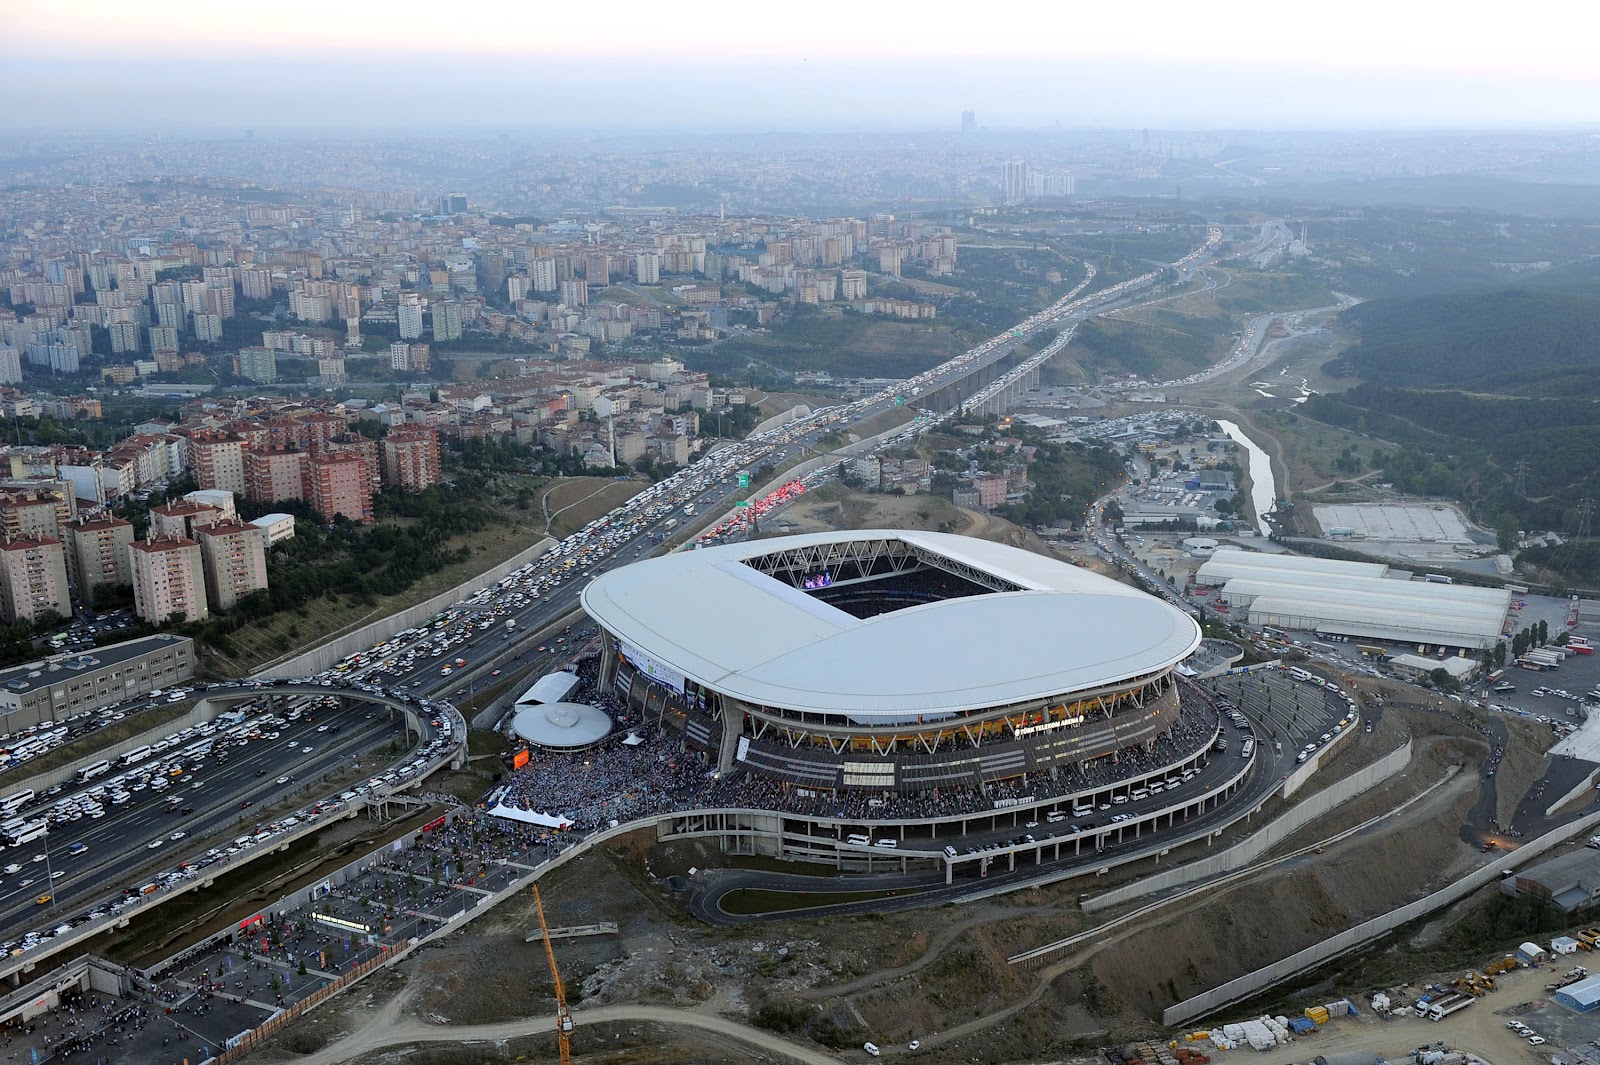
x=217, y=459
x=97, y=555
x=446, y=320
x=234, y=555
x=33, y=578
x=411, y=457
x=259, y=365
x=410, y=315
x=340, y=485
x=168, y=578
x=272, y=474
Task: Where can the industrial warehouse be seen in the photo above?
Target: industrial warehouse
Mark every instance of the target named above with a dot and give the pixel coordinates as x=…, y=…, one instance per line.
x=1362, y=599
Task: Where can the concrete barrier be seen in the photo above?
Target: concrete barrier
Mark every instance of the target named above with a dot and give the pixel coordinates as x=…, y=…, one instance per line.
x=324, y=656
x=1274, y=832
x=782, y=418
x=1352, y=938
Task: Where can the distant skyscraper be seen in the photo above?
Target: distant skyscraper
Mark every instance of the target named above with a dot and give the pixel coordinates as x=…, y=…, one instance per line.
x=969, y=121
x=453, y=203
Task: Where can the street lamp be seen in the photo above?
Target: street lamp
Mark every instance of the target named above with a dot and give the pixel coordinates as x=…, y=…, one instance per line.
x=49, y=874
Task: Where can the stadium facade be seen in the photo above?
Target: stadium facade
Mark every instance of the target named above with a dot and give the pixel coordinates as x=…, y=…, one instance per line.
x=891, y=661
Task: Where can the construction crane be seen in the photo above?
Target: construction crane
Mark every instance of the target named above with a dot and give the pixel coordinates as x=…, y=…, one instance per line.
x=563, y=1015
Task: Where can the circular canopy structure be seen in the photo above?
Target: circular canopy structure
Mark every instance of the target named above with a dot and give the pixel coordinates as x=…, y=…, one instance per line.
x=562, y=726
x=741, y=619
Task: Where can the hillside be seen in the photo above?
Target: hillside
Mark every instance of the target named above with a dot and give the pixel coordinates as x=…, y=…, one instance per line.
x=1483, y=341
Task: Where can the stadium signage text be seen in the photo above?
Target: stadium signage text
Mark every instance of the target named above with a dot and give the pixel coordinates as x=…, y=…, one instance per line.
x=1028, y=730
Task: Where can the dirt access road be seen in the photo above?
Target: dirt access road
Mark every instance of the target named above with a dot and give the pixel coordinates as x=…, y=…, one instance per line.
x=388, y=1029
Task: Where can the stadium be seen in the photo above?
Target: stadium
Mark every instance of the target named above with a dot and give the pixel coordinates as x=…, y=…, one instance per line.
x=899, y=663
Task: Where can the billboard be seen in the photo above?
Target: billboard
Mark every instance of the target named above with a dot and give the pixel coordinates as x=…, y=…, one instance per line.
x=520, y=759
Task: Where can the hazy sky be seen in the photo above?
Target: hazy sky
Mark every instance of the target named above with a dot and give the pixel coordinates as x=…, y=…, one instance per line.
x=723, y=64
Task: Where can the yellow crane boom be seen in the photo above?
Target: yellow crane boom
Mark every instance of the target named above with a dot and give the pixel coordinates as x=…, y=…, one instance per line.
x=563, y=1015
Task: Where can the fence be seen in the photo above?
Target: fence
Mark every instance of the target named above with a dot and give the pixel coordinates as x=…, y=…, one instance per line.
x=323, y=657
x=1271, y=834
x=1351, y=938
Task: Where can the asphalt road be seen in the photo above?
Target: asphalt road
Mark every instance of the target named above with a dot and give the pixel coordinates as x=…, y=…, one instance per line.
x=119, y=854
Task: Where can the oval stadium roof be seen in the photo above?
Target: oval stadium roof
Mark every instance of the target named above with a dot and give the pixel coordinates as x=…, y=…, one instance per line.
x=708, y=616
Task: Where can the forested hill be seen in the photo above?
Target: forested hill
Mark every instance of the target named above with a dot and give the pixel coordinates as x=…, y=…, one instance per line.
x=1505, y=340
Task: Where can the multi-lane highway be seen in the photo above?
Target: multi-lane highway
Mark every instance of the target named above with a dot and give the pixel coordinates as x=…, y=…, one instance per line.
x=155, y=832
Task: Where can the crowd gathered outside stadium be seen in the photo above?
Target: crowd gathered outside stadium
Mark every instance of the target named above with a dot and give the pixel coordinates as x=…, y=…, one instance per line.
x=623, y=779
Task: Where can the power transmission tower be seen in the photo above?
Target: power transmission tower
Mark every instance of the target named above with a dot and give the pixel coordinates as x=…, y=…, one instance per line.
x=1519, y=478
x=1585, y=512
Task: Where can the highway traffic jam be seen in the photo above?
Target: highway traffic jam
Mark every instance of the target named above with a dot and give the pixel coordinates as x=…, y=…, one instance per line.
x=189, y=772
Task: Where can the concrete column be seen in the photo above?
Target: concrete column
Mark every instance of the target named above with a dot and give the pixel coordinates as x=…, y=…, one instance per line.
x=731, y=722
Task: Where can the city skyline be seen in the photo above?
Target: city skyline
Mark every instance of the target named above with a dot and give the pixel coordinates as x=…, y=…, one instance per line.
x=493, y=64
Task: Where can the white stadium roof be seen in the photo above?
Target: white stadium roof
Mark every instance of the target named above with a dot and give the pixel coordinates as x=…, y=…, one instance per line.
x=706, y=616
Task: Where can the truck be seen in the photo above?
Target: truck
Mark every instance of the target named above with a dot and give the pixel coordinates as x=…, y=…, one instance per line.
x=1445, y=1005
x=511, y=624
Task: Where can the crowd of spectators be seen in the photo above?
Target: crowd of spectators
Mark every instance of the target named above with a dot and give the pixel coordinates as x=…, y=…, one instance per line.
x=650, y=772
x=79, y=1024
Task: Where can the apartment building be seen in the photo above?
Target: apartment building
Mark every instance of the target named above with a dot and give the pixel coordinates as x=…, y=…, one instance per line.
x=33, y=578
x=411, y=457
x=339, y=485
x=168, y=578
x=234, y=555
x=97, y=555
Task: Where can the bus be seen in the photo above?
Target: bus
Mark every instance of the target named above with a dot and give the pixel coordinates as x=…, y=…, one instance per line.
x=28, y=832
x=1504, y=688
x=16, y=801
x=1497, y=675
x=1323, y=646
x=89, y=772
x=1296, y=673
x=138, y=754
x=1438, y=578
x=1247, y=749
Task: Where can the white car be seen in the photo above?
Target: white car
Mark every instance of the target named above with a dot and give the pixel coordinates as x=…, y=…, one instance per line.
x=153, y=844
x=176, y=836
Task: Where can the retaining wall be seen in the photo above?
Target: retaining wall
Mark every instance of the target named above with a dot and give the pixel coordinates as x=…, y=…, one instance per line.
x=1259, y=843
x=1352, y=938
x=323, y=657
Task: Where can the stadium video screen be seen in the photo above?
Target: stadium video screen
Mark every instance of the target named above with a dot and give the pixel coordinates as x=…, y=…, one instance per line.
x=821, y=580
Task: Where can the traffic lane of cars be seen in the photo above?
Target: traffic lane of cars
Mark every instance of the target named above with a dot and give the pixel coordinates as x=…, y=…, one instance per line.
x=118, y=845
x=134, y=866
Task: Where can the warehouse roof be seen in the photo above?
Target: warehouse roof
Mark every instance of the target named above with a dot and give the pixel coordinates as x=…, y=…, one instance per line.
x=1585, y=994
x=1357, y=598
x=707, y=616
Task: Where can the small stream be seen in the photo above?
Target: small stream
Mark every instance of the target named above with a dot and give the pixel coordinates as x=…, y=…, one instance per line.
x=1263, y=487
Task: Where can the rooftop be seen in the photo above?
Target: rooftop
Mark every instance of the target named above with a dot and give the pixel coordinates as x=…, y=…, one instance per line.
x=57, y=668
x=712, y=617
